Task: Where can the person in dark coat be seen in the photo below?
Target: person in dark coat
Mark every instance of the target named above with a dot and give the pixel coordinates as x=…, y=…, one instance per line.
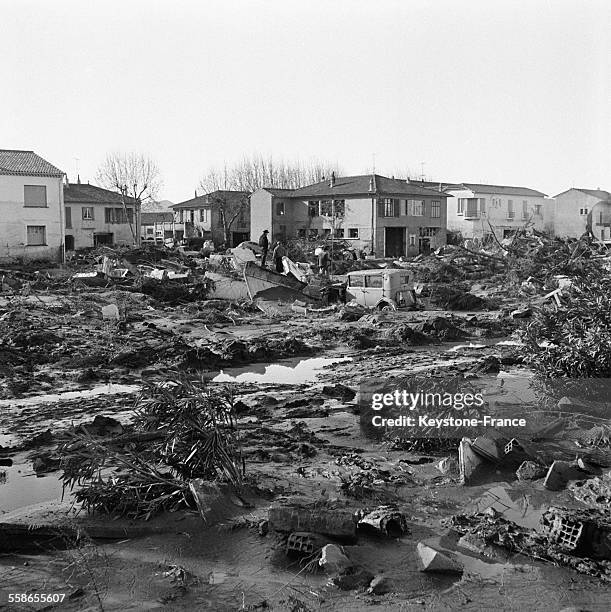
x=278, y=254
x=324, y=259
x=264, y=244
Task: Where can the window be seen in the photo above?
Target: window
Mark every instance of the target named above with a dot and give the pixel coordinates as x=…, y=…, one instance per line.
x=313, y=208
x=68, y=217
x=87, y=213
x=387, y=207
x=339, y=232
x=282, y=231
x=356, y=281
x=376, y=281
x=301, y=233
x=511, y=213
x=279, y=208
x=353, y=232
x=415, y=208
x=192, y=216
x=460, y=206
x=583, y=211
x=149, y=231
x=600, y=217
x=472, y=207
x=35, y=196
x=204, y=215
x=524, y=209
x=482, y=206
x=339, y=207
x=496, y=202
x=117, y=215
x=326, y=232
x=435, y=209
x=36, y=235
x=313, y=234
x=427, y=232
x=538, y=210
x=326, y=208
x=412, y=240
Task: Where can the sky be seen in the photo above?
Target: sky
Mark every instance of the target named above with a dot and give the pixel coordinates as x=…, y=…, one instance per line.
x=504, y=92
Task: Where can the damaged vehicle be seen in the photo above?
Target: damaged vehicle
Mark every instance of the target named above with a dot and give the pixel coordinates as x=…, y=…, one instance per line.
x=386, y=290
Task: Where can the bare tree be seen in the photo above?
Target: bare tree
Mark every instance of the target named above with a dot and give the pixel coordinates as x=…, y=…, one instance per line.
x=252, y=173
x=133, y=175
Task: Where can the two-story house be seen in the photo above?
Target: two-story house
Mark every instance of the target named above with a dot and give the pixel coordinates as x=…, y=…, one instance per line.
x=96, y=216
x=386, y=216
x=479, y=210
x=157, y=226
x=577, y=211
x=31, y=207
x=222, y=216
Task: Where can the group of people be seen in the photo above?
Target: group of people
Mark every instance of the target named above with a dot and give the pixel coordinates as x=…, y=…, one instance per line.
x=324, y=258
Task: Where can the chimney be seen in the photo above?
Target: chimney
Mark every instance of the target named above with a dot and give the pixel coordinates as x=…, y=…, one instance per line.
x=332, y=181
x=370, y=185
x=440, y=187
x=196, y=193
x=78, y=179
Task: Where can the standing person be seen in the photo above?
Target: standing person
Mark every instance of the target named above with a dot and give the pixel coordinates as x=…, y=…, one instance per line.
x=278, y=254
x=323, y=261
x=264, y=244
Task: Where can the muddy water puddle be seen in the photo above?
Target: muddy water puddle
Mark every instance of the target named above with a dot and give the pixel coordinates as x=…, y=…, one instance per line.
x=47, y=398
x=289, y=372
x=20, y=487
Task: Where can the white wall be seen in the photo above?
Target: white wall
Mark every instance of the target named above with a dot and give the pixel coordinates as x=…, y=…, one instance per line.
x=568, y=220
x=15, y=217
x=496, y=214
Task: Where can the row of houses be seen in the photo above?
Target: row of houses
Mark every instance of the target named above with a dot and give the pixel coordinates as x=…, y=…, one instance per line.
x=45, y=215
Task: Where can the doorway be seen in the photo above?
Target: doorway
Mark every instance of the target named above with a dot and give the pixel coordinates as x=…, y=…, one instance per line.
x=424, y=245
x=102, y=238
x=69, y=243
x=394, y=241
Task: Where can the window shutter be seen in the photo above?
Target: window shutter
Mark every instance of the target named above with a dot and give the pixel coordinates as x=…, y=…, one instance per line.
x=395, y=207
x=380, y=208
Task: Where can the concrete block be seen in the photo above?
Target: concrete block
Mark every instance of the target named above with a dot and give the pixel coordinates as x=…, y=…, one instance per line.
x=435, y=561
x=335, y=523
x=333, y=559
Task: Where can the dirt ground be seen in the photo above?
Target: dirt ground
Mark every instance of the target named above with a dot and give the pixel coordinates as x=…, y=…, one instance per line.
x=65, y=364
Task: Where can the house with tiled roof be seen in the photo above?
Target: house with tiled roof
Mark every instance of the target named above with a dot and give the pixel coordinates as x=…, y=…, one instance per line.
x=371, y=212
x=157, y=226
x=480, y=210
x=222, y=216
x=31, y=206
x=578, y=211
x=96, y=216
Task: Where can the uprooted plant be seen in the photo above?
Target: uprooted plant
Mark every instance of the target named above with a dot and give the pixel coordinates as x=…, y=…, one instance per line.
x=574, y=340
x=182, y=430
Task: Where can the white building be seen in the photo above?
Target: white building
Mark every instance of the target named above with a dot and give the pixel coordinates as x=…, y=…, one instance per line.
x=577, y=211
x=478, y=210
x=32, y=206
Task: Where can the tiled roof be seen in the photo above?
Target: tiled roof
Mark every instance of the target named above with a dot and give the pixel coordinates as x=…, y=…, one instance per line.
x=502, y=190
x=360, y=185
x=149, y=218
x=601, y=194
x=203, y=201
x=278, y=192
x=26, y=163
x=91, y=194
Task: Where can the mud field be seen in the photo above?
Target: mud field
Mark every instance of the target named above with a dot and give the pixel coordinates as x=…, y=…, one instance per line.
x=297, y=387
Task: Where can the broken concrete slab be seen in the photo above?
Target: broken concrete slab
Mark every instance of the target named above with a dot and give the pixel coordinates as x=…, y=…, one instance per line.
x=487, y=448
x=288, y=518
x=379, y=586
x=333, y=559
x=469, y=462
x=435, y=561
x=385, y=520
x=559, y=474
